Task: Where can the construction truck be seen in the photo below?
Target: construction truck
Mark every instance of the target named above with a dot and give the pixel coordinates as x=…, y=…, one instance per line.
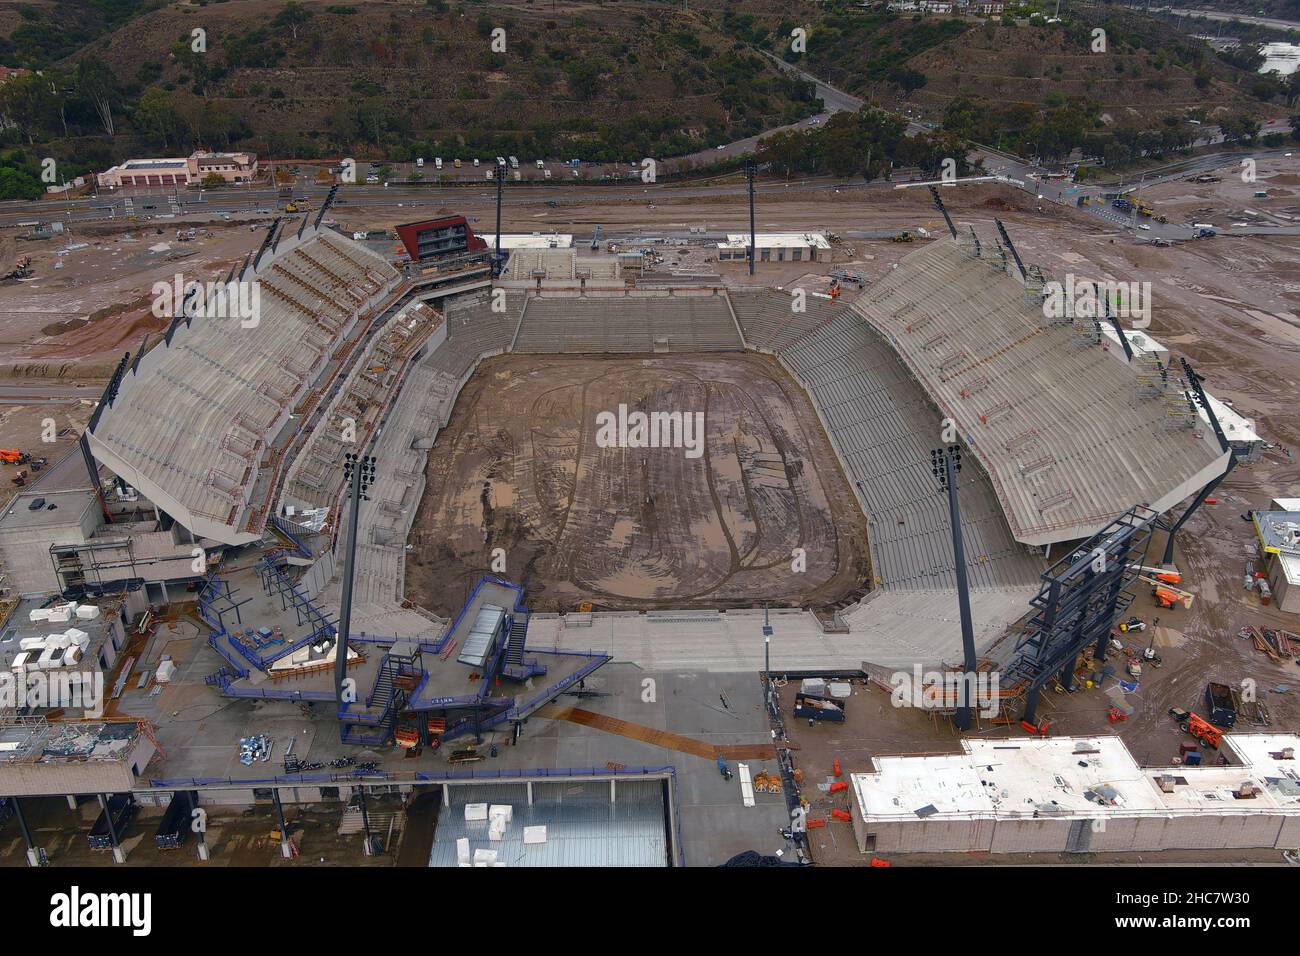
x=904, y=236
x=22, y=269
x=1200, y=728
x=14, y=456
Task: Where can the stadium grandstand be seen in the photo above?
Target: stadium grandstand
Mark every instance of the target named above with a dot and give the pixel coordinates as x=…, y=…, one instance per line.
x=883, y=428
x=202, y=422
x=628, y=323
x=1070, y=438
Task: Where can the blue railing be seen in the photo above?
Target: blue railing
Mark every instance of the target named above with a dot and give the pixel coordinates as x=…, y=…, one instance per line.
x=422, y=776
x=550, y=693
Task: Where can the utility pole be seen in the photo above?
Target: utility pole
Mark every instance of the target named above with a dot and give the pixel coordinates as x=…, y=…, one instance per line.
x=767, y=646
x=496, y=259
x=945, y=464
x=360, y=474
x=750, y=169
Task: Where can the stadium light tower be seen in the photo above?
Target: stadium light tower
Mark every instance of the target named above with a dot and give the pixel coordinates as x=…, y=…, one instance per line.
x=750, y=169
x=945, y=464
x=359, y=470
x=496, y=258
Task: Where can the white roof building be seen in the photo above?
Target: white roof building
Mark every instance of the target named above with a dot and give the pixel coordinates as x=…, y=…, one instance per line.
x=1236, y=428
x=1082, y=794
x=775, y=246
x=535, y=240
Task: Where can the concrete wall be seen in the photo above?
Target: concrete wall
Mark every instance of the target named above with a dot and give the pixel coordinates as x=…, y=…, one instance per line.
x=91, y=776
x=1149, y=832
x=1287, y=598
x=925, y=836
x=26, y=551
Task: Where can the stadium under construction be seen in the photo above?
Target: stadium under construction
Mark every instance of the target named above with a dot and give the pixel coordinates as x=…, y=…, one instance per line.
x=293, y=457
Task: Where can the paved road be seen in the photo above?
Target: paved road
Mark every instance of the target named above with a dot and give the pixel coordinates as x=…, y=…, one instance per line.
x=53, y=392
x=1216, y=15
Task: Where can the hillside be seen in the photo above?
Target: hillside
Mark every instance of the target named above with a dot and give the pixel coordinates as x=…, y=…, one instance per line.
x=1146, y=72
x=1020, y=82
x=600, y=81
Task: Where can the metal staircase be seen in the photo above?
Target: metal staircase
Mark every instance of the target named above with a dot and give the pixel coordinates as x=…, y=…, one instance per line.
x=516, y=667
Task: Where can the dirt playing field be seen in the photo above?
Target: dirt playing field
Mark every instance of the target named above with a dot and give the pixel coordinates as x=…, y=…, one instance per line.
x=755, y=510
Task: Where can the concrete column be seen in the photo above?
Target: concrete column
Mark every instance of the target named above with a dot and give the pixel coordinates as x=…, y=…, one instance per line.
x=119, y=855
x=530, y=792
x=72, y=801
x=612, y=783
x=446, y=795
x=34, y=856
x=285, y=850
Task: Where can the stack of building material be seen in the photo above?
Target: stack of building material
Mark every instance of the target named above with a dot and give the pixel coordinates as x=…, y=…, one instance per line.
x=499, y=817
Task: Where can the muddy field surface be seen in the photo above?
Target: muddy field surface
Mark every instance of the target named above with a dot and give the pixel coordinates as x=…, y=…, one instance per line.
x=753, y=509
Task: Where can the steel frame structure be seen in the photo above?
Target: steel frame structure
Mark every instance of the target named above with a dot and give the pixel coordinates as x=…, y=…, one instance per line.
x=1081, y=597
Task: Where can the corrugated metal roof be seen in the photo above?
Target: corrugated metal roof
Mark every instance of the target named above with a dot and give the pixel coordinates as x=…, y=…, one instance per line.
x=478, y=643
x=583, y=827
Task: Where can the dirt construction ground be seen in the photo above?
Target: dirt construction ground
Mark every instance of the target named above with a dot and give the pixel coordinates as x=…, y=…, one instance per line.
x=521, y=467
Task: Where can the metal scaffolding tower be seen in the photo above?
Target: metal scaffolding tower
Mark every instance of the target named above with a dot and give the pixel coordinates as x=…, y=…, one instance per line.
x=1082, y=596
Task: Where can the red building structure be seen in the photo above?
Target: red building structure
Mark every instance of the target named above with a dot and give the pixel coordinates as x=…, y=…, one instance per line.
x=436, y=238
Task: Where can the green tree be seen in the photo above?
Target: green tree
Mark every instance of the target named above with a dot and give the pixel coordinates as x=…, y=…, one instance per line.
x=584, y=78
x=26, y=102
x=292, y=15
x=155, y=114
x=96, y=84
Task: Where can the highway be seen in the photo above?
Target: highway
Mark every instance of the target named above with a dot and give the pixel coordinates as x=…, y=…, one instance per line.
x=1215, y=15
